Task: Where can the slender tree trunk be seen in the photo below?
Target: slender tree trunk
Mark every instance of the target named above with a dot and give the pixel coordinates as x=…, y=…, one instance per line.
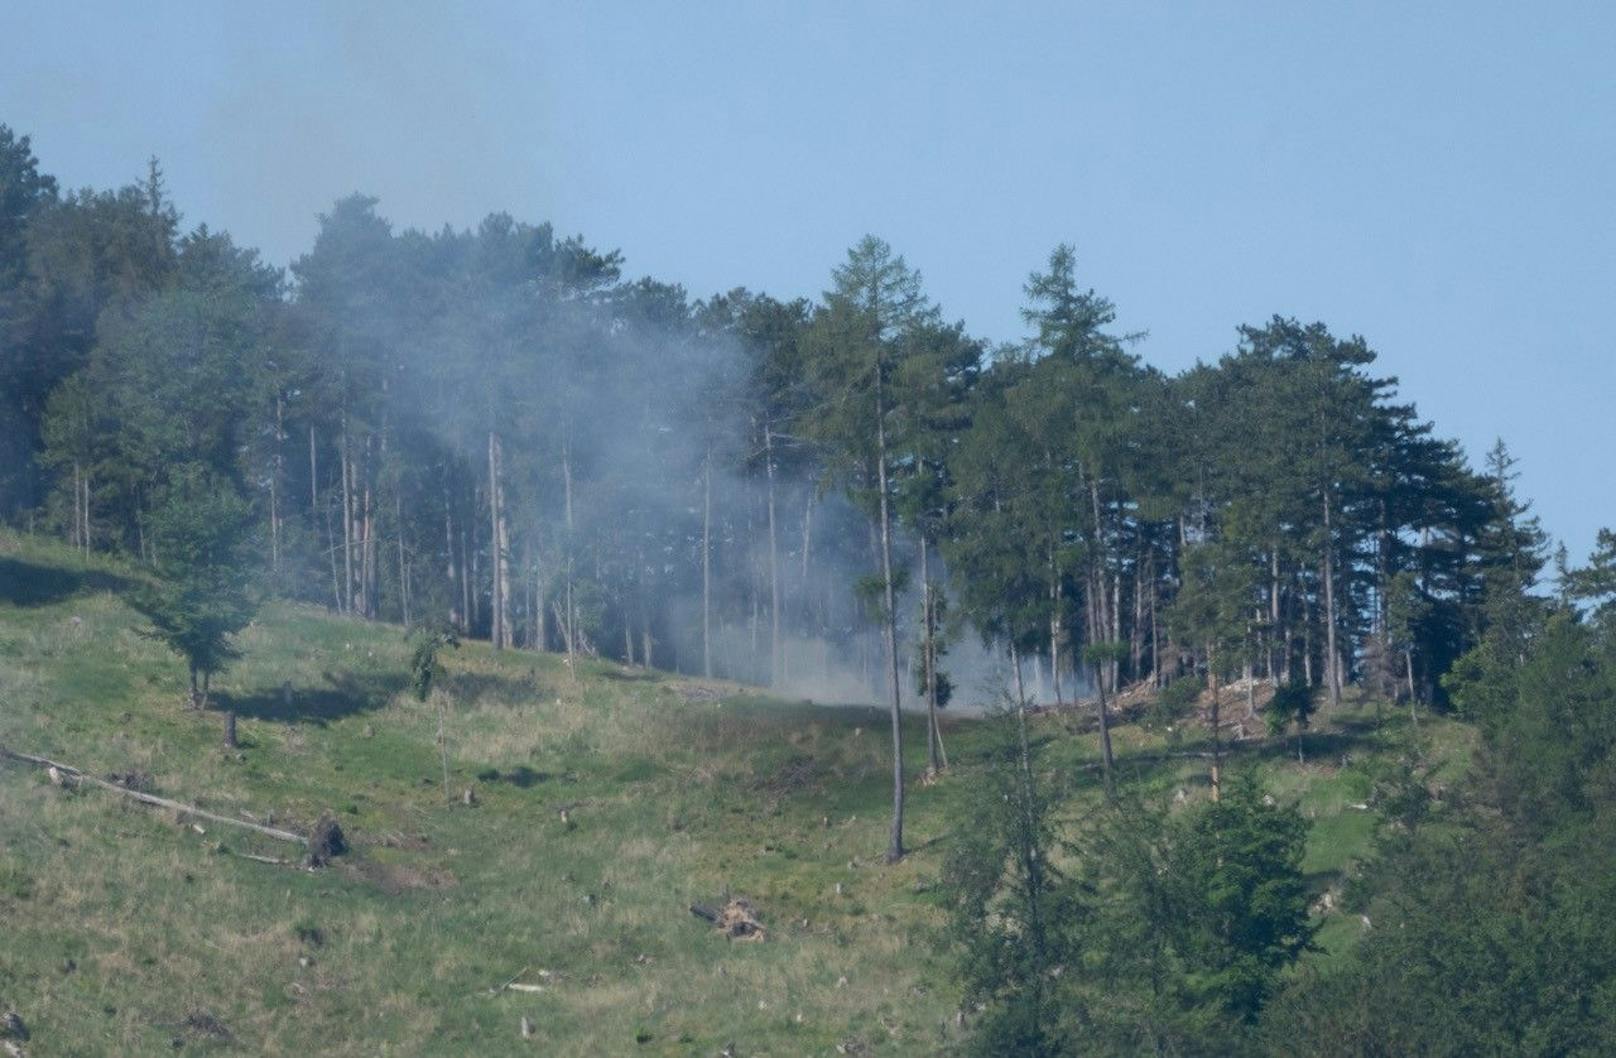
x=1136, y=631
x=403, y=565
x=1333, y=665
x=467, y=617
x=934, y=761
x=1155, y=635
x=774, y=563
x=367, y=552
x=497, y=630
x=1107, y=761
x=1217, y=729
x=1054, y=624
x=1273, y=612
x=890, y=620
x=449, y=552
x=347, y=522
x=87, y=530
x=707, y=565
x=1413, y=699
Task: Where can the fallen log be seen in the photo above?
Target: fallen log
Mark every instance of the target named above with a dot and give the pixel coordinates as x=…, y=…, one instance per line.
x=69, y=774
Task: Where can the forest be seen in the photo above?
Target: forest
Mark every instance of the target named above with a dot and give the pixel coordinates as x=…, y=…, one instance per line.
x=502, y=434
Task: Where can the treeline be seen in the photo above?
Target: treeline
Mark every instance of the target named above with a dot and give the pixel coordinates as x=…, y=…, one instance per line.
x=1487, y=911
x=498, y=430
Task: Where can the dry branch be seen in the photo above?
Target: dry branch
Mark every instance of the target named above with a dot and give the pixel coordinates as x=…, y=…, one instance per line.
x=71, y=774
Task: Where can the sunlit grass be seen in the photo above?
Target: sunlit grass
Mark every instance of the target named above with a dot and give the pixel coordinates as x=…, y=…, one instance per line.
x=126, y=930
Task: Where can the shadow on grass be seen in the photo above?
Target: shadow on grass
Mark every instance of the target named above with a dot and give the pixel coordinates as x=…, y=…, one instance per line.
x=469, y=687
x=27, y=584
x=522, y=777
x=345, y=695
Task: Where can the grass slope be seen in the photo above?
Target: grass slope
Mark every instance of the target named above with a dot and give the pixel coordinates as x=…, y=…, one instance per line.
x=126, y=932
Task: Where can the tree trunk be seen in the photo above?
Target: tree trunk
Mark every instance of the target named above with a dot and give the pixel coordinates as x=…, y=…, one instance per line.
x=403, y=564
x=890, y=621
x=274, y=489
x=1105, y=741
x=934, y=740
x=1217, y=729
x=347, y=521
x=775, y=660
x=1333, y=664
x=1054, y=625
x=707, y=565
x=500, y=613
x=1273, y=614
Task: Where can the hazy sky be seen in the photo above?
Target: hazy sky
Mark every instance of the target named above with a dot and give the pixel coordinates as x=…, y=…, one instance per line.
x=1436, y=177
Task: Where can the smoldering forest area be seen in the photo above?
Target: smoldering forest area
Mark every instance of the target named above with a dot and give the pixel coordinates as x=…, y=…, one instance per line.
x=494, y=430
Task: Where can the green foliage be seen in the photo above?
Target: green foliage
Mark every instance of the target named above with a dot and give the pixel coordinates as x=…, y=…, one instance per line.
x=1495, y=914
x=1015, y=918
x=202, y=532
x=424, y=664
x=1290, y=707
x=1173, y=703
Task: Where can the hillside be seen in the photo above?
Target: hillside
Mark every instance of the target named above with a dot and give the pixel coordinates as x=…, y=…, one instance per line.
x=127, y=931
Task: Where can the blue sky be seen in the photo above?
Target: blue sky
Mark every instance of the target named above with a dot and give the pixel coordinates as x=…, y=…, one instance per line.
x=1438, y=177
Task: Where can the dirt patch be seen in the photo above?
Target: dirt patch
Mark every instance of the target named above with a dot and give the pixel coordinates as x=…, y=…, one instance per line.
x=798, y=774
x=396, y=878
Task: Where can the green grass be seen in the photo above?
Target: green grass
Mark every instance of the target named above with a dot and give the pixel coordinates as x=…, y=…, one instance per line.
x=126, y=932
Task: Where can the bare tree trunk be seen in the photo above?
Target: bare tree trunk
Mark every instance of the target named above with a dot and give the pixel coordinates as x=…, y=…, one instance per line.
x=367, y=550
x=1333, y=665
x=403, y=565
x=890, y=621
x=1413, y=699
x=707, y=565
x=1054, y=625
x=807, y=542
x=467, y=616
x=497, y=630
x=274, y=489
x=347, y=522
x=1108, y=761
x=1114, y=663
x=1273, y=613
x=1155, y=632
x=1136, y=633
x=1217, y=730
x=775, y=661
x=449, y=551
x=934, y=740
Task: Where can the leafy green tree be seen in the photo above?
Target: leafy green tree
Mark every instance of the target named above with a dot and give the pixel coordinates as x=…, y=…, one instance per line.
x=1018, y=921
x=205, y=592
x=1291, y=707
x=1212, y=611
x=1595, y=583
x=1494, y=918
x=856, y=346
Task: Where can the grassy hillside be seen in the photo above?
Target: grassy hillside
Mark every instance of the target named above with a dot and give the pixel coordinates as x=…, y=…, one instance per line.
x=126, y=931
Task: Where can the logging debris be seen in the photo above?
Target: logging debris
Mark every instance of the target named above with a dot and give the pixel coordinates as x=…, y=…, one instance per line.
x=65, y=775
x=325, y=841
x=737, y=919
